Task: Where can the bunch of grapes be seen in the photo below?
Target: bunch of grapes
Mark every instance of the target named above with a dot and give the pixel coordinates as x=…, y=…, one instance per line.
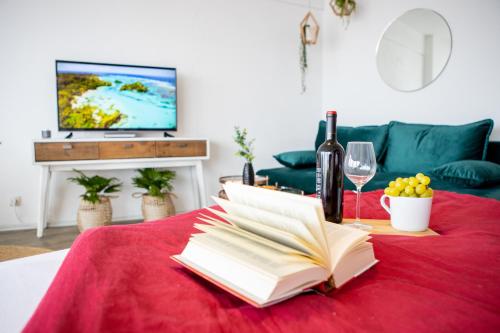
x=413, y=187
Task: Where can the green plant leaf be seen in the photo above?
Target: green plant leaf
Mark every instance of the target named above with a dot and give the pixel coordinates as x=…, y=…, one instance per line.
x=156, y=182
x=245, y=146
x=95, y=186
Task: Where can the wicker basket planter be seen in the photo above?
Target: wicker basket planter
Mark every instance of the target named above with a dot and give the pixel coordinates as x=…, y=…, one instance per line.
x=91, y=215
x=155, y=208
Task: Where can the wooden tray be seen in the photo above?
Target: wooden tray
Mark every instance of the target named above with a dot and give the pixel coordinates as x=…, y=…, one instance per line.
x=383, y=227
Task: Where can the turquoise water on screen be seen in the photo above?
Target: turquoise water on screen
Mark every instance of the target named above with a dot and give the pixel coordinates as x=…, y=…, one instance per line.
x=155, y=108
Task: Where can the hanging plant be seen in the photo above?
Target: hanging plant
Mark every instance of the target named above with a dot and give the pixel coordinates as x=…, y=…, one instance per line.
x=343, y=8
x=309, y=31
x=303, y=65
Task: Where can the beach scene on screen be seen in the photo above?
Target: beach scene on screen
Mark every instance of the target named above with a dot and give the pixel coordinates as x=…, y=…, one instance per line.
x=92, y=96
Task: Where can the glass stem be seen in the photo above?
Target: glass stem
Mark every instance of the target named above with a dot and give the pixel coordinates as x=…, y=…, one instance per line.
x=358, y=204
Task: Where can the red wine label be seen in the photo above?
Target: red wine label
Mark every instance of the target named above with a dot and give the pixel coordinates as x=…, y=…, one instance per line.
x=318, y=182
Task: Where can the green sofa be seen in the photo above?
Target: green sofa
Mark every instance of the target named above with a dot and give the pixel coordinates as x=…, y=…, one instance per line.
x=457, y=158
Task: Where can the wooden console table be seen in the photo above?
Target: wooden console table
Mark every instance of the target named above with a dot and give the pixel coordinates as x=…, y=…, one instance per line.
x=117, y=154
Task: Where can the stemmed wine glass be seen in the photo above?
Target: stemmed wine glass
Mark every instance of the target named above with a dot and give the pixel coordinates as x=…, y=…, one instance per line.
x=360, y=166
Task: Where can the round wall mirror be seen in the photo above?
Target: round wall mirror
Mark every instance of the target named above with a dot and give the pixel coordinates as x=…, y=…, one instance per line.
x=414, y=50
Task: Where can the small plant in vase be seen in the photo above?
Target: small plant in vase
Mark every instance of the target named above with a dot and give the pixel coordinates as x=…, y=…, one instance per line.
x=156, y=202
x=95, y=206
x=246, y=151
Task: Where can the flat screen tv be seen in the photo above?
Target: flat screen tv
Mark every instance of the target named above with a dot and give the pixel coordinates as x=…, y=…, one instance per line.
x=106, y=97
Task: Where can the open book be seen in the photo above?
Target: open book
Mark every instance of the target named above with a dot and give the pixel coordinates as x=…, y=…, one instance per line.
x=269, y=246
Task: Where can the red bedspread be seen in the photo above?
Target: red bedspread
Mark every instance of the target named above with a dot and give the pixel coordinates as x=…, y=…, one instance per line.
x=120, y=279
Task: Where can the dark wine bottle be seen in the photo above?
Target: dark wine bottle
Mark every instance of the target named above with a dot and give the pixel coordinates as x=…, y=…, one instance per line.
x=330, y=172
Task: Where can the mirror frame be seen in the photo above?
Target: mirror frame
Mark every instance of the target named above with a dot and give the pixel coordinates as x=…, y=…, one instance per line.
x=442, y=69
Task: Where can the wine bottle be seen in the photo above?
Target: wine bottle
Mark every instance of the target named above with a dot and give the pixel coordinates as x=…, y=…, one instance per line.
x=330, y=172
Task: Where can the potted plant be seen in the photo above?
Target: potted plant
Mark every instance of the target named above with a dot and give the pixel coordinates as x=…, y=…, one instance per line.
x=245, y=151
x=95, y=206
x=156, y=202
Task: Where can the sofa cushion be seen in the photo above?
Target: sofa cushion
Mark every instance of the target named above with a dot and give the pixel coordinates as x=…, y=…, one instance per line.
x=420, y=148
x=297, y=159
x=304, y=179
x=375, y=134
x=471, y=173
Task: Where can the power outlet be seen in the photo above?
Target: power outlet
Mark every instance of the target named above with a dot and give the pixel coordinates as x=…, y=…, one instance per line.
x=15, y=201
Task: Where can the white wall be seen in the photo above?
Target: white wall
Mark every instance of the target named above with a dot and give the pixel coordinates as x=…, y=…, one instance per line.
x=467, y=90
x=237, y=63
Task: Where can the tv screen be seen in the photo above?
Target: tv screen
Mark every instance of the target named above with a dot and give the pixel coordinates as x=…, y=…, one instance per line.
x=93, y=96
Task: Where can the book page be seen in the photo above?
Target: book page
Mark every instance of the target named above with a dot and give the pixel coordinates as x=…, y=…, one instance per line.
x=342, y=239
x=252, y=236
x=305, y=209
x=276, y=235
x=266, y=260
x=228, y=234
x=354, y=263
x=273, y=220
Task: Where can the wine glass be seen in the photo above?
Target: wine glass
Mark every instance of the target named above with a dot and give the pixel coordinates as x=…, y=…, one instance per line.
x=360, y=166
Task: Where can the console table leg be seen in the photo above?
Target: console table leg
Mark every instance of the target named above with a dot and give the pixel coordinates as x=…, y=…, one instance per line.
x=42, y=210
x=201, y=184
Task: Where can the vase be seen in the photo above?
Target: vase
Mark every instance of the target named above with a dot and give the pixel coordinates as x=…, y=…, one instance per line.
x=248, y=174
x=155, y=208
x=91, y=215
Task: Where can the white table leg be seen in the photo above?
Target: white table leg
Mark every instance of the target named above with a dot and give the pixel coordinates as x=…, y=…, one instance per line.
x=194, y=186
x=201, y=184
x=44, y=194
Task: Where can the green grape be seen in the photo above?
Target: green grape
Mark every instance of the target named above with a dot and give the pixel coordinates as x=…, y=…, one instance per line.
x=420, y=189
x=400, y=186
x=409, y=190
x=419, y=176
x=387, y=190
x=403, y=194
x=405, y=180
x=426, y=180
x=392, y=184
x=394, y=192
x=413, y=195
x=427, y=194
x=413, y=182
x=399, y=179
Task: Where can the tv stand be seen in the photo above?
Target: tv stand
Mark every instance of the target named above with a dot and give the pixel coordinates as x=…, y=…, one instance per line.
x=167, y=135
x=119, y=135
x=56, y=155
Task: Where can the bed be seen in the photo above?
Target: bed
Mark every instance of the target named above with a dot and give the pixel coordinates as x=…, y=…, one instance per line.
x=121, y=279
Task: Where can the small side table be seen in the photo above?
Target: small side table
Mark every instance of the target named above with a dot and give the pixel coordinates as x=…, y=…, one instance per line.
x=259, y=181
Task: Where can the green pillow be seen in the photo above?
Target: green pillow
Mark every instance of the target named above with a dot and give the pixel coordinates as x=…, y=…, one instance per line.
x=297, y=159
x=471, y=173
x=413, y=148
x=375, y=134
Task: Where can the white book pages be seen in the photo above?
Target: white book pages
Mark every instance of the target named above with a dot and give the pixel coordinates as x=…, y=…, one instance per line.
x=306, y=209
x=283, y=223
x=354, y=263
x=259, y=239
x=276, y=235
x=247, y=281
x=267, y=261
x=342, y=239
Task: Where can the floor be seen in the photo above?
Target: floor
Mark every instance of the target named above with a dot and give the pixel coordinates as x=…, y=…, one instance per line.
x=54, y=238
